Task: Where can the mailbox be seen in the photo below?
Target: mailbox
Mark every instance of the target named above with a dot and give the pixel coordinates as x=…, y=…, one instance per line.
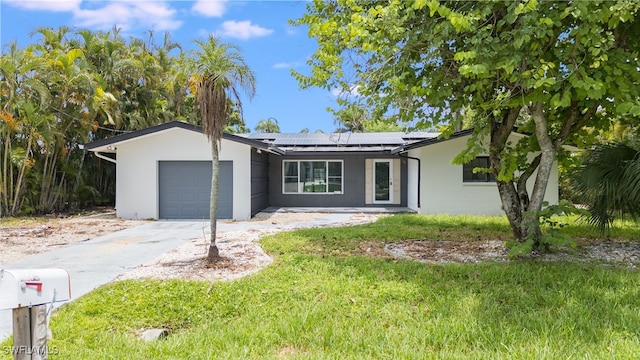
x=30, y=287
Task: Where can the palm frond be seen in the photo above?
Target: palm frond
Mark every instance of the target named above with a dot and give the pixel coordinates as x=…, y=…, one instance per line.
x=220, y=74
x=609, y=183
x=214, y=108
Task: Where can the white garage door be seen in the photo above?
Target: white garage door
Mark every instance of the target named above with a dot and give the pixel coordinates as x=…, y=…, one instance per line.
x=185, y=189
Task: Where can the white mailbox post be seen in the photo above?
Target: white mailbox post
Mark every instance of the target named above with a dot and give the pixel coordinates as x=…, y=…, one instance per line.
x=28, y=292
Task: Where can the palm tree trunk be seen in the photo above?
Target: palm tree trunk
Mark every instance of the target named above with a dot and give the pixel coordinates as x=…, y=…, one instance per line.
x=213, y=254
x=74, y=200
x=17, y=201
x=5, y=177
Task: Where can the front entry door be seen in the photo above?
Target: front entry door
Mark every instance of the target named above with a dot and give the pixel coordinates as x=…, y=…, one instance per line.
x=382, y=181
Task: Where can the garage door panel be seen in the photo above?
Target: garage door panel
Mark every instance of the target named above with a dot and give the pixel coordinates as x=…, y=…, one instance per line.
x=185, y=189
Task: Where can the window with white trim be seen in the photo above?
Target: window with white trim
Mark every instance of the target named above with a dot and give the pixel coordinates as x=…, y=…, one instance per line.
x=468, y=175
x=312, y=176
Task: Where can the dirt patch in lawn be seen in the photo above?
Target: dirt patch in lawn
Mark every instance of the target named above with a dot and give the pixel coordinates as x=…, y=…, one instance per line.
x=240, y=251
x=242, y=254
x=32, y=236
x=441, y=251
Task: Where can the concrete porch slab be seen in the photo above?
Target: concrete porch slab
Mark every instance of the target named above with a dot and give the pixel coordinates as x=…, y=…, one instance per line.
x=340, y=210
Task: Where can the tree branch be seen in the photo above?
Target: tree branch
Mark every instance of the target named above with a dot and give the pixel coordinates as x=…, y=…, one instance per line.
x=500, y=131
x=523, y=194
x=574, y=122
x=542, y=128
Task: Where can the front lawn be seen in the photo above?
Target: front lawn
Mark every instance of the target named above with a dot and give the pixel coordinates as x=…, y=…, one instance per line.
x=327, y=297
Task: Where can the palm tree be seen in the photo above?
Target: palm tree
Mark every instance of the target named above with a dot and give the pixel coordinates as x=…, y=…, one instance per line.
x=220, y=73
x=351, y=117
x=609, y=181
x=269, y=125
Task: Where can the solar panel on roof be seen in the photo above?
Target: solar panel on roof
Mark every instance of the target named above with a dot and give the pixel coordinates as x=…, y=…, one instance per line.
x=341, y=139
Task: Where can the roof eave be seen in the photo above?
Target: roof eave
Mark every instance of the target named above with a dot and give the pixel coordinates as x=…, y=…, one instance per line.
x=336, y=153
x=419, y=144
x=109, y=145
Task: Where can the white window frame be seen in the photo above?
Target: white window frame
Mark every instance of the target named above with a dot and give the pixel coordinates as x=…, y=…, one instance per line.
x=300, y=185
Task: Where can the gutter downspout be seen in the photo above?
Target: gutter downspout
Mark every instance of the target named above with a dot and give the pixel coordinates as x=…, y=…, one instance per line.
x=100, y=156
x=419, y=171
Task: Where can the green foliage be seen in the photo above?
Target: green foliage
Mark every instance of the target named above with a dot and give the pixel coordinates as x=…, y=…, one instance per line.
x=322, y=300
x=608, y=182
x=351, y=117
x=566, y=165
x=236, y=124
x=382, y=126
x=551, y=70
x=269, y=125
x=551, y=219
x=70, y=87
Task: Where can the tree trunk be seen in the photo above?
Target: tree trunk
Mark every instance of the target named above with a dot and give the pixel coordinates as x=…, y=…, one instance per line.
x=74, y=198
x=17, y=200
x=5, y=177
x=213, y=254
x=523, y=218
x=521, y=209
x=549, y=150
x=511, y=207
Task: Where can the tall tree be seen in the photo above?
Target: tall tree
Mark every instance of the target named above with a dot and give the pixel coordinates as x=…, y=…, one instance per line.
x=220, y=74
x=70, y=87
x=71, y=92
x=16, y=88
x=269, y=125
x=351, y=117
x=550, y=69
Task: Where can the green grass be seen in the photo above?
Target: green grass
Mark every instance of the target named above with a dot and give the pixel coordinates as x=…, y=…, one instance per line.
x=325, y=298
x=622, y=230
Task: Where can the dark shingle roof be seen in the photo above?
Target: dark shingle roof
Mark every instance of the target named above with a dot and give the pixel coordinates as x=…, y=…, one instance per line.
x=302, y=143
x=169, y=125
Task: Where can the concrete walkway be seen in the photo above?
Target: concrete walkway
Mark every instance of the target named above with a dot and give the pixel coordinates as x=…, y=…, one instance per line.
x=100, y=260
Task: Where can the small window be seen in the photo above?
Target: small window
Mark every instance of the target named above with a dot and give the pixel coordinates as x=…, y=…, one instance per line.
x=318, y=176
x=468, y=175
x=290, y=176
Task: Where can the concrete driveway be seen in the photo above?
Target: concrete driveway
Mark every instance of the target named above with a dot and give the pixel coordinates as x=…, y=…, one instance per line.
x=100, y=260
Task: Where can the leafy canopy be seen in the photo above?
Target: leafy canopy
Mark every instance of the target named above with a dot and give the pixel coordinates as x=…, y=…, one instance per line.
x=558, y=71
x=424, y=61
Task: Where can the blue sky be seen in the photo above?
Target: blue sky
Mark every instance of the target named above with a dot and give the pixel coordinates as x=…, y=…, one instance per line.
x=269, y=44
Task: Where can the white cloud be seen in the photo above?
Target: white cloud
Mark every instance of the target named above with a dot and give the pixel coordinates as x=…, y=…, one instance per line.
x=287, y=65
x=46, y=5
x=127, y=15
x=243, y=30
x=211, y=8
x=282, y=65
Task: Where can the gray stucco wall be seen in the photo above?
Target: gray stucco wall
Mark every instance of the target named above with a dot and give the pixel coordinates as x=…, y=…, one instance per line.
x=353, y=194
x=259, y=181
